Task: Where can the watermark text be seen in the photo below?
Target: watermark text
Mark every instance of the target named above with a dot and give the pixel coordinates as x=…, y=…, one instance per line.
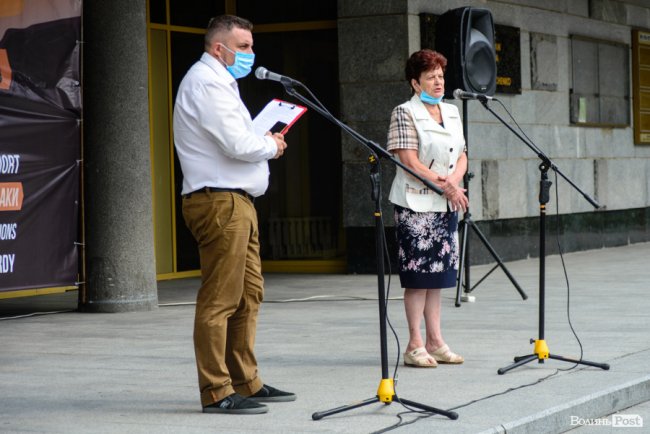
x=615, y=421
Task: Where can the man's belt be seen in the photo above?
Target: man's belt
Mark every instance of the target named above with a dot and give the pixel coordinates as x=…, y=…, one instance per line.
x=220, y=190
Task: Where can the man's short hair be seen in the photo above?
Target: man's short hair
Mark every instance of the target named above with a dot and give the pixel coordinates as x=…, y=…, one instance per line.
x=224, y=24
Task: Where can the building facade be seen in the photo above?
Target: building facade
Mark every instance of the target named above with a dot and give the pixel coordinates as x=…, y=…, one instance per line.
x=577, y=81
x=576, y=72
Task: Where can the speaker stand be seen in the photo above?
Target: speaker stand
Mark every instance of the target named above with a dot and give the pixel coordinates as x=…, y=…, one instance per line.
x=463, y=228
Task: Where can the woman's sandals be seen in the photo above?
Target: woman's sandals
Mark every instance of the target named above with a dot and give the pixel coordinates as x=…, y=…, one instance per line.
x=419, y=358
x=445, y=355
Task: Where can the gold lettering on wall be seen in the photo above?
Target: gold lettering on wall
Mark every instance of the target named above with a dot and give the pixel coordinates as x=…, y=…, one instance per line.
x=641, y=86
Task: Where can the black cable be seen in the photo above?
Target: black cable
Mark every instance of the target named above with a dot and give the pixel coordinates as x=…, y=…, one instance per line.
x=387, y=299
x=530, y=142
x=27, y=315
x=401, y=422
x=410, y=409
x=316, y=100
x=387, y=256
x=511, y=389
x=566, y=275
x=423, y=414
x=390, y=272
x=557, y=237
x=429, y=414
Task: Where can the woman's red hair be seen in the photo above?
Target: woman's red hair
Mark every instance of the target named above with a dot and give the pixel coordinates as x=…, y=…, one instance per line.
x=422, y=61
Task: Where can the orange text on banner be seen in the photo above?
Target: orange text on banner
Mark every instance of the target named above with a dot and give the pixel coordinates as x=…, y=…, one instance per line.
x=5, y=70
x=11, y=196
x=10, y=8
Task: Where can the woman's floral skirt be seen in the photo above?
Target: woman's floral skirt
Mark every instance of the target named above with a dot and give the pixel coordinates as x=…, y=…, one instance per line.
x=427, y=248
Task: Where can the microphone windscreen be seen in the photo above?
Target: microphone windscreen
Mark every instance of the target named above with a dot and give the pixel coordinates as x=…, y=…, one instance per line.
x=260, y=72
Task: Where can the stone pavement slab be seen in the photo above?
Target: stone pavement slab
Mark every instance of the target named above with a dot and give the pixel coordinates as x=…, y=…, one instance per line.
x=318, y=336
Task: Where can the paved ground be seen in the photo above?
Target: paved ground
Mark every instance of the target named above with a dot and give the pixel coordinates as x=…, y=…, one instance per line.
x=318, y=336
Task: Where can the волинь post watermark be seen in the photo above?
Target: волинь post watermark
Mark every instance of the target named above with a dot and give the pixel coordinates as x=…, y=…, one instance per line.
x=614, y=421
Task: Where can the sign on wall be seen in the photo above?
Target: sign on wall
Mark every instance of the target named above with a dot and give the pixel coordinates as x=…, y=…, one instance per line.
x=507, y=45
x=641, y=86
x=40, y=142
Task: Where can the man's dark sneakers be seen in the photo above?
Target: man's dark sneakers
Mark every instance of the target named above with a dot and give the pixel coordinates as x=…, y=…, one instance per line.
x=271, y=394
x=236, y=404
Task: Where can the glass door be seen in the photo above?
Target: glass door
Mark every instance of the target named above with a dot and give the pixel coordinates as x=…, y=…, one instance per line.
x=300, y=215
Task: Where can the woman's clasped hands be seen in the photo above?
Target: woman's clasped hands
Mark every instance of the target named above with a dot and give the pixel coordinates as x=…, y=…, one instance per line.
x=454, y=194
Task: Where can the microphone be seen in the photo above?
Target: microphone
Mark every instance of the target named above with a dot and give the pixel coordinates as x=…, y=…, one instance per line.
x=461, y=94
x=264, y=74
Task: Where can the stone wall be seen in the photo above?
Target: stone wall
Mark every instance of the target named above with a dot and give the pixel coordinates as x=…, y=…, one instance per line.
x=376, y=38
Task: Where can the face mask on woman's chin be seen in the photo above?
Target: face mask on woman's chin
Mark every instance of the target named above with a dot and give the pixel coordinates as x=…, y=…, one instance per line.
x=428, y=99
x=242, y=65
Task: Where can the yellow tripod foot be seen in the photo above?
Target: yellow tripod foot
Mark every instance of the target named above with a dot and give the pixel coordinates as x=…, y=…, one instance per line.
x=386, y=390
x=541, y=349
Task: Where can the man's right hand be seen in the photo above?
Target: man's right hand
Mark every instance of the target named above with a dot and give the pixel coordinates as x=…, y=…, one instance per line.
x=279, y=140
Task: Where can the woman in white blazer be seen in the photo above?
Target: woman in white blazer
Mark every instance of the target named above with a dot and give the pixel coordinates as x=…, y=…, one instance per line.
x=427, y=136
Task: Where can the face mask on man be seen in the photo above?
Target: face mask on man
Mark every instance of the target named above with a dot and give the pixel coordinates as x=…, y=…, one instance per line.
x=243, y=63
x=428, y=99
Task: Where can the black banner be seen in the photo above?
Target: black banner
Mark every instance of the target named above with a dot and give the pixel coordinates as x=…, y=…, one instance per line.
x=40, y=143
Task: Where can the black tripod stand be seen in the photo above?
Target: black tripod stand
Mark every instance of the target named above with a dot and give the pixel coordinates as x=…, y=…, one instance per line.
x=463, y=228
x=386, y=390
x=541, y=351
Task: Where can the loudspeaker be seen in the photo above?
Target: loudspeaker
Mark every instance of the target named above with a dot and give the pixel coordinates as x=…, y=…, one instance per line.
x=465, y=36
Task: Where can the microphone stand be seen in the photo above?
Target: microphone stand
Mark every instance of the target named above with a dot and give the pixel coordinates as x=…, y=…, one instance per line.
x=386, y=389
x=541, y=351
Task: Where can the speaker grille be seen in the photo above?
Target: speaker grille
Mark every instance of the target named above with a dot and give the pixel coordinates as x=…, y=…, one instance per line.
x=466, y=37
x=479, y=63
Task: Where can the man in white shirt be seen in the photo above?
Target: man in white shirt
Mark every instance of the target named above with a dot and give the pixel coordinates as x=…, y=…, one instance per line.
x=225, y=166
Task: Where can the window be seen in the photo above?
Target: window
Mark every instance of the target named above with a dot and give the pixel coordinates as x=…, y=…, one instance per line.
x=600, y=85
